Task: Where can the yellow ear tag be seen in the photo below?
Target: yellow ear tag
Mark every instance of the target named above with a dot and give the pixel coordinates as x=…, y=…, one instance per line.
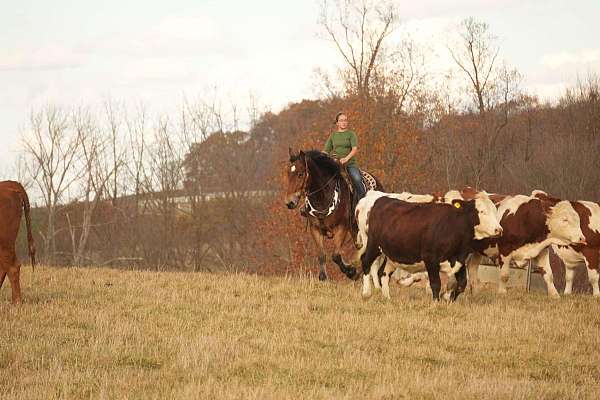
x=456, y=205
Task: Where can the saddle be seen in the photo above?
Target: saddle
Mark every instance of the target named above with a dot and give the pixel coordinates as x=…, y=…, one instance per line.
x=369, y=183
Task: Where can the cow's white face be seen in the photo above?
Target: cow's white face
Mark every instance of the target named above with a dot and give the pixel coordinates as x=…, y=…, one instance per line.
x=488, y=218
x=564, y=224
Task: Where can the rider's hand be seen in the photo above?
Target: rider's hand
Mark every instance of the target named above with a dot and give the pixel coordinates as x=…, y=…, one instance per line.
x=343, y=160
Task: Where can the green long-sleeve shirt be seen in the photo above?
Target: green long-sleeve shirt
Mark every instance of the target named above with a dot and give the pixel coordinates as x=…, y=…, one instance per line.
x=340, y=144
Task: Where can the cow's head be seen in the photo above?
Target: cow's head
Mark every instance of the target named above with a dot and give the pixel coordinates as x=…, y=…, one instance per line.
x=297, y=176
x=564, y=224
x=488, y=224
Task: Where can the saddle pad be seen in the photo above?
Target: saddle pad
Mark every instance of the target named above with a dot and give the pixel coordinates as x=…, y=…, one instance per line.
x=368, y=180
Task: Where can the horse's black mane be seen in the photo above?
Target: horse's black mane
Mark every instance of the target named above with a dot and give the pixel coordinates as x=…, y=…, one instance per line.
x=323, y=161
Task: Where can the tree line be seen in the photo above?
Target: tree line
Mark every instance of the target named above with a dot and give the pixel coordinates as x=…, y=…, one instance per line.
x=192, y=190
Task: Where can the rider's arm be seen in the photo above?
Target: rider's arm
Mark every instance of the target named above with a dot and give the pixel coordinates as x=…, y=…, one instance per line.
x=328, y=146
x=350, y=155
x=354, y=144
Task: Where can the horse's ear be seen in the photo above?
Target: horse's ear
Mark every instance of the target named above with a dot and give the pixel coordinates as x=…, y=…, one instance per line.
x=301, y=154
x=293, y=157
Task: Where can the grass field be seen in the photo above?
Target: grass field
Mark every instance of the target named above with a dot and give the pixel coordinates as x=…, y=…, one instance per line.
x=102, y=333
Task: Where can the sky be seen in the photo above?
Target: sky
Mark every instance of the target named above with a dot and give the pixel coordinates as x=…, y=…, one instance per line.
x=156, y=52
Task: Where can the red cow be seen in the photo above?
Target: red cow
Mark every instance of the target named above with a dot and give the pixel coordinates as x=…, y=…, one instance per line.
x=13, y=199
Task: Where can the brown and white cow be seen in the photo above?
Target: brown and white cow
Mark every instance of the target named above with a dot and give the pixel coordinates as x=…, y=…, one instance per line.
x=13, y=201
x=407, y=275
x=588, y=254
x=420, y=233
x=530, y=226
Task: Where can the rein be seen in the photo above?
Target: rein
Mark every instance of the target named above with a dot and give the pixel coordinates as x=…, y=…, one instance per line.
x=334, y=200
x=322, y=187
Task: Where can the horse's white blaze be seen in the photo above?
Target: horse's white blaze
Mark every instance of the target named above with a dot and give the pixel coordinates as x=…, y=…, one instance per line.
x=293, y=169
x=564, y=223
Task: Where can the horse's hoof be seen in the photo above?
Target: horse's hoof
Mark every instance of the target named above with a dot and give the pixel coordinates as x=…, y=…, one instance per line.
x=351, y=273
x=322, y=276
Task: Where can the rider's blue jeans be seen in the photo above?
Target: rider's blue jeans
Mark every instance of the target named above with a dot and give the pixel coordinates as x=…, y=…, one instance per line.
x=354, y=173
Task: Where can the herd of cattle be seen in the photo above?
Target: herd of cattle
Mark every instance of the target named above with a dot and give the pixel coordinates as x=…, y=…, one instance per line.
x=416, y=233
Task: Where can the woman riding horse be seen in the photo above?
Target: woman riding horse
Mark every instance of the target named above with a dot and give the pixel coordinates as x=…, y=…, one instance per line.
x=316, y=177
x=343, y=144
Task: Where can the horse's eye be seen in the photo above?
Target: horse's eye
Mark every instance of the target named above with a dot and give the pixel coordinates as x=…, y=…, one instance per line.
x=300, y=174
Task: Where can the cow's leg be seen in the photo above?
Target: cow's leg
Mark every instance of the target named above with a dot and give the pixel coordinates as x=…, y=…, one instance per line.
x=473, y=276
x=451, y=269
x=318, y=239
x=592, y=260
x=543, y=260
x=433, y=272
x=461, y=280
x=339, y=237
x=13, y=277
x=377, y=271
x=504, y=273
x=366, y=260
x=388, y=270
x=569, y=275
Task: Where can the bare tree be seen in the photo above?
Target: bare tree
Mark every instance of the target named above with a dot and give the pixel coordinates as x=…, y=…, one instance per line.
x=114, y=119
x=358, y=29
x=52, y=149
x=475, y=54
x=495, y=89
x=97, y=170
x=136, y=124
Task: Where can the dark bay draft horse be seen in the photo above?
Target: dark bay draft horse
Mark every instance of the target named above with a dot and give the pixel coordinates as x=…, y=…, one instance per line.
x=316, y=177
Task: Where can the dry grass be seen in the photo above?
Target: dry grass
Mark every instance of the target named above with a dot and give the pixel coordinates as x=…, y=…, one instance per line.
x=101, y=333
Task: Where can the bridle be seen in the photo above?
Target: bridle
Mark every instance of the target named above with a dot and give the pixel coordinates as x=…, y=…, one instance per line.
x=335, y=197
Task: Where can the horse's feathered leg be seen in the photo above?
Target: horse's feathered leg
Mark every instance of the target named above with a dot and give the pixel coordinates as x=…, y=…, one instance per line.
x=318, y=238
x=340, y=233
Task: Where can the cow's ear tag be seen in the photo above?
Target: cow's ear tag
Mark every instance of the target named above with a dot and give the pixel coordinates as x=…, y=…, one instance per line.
x=456, y=205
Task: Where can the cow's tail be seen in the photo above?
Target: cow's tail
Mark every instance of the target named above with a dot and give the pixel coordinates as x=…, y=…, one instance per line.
x=26, y=210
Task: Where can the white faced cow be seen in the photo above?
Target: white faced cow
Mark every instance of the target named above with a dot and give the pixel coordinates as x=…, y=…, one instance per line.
x=530, y=226
x=588, y=253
